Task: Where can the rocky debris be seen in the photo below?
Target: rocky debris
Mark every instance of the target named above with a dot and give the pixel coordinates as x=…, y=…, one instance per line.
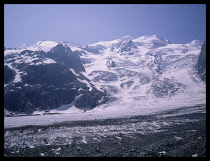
x=119, y=144
x=103, y=76
x=91, y=49
x=144, y=80
x=111, y=64
x=126, y=73
x=166, y=87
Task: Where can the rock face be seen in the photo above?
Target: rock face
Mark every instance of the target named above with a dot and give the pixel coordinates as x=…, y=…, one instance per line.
x=90, y=98
x=111, y=64
x=201, y=64
x=103, y=76
x=63, y=54
x=126, y=46
x=9, y=74
x=92, y=50
x=46, y=80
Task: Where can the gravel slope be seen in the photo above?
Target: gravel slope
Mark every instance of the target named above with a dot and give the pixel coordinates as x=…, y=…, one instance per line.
x=169, y=134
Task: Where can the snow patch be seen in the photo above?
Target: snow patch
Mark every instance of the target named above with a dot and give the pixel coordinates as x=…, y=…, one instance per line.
x=72, y=70
x=86, y=82
x=11, y=52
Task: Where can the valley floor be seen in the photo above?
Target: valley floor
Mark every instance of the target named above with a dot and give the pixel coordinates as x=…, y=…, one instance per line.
x=173, y=133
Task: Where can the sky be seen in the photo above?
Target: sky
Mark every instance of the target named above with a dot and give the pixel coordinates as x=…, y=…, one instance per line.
x=89, y=23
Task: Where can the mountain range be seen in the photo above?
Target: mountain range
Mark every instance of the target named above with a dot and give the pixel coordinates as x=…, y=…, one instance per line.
x=127, y=72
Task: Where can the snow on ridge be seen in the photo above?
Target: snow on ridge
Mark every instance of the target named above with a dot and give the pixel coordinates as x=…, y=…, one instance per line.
x=104, y=43
x=196, y=42
x=108, y=44
x=48, y=61
x=43, y=45
x=70, y=44
x=127, y=37
x=11, y=52
x=150, y=39
x=18, y=73
x=24, y=46
x=86, y=82
x=146, y=40
x=73, y=71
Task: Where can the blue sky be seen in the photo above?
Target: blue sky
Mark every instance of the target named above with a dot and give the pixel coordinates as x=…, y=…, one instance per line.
x=89, y=23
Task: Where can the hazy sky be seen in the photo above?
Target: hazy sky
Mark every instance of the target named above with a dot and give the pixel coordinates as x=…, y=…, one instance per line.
x=90, y=23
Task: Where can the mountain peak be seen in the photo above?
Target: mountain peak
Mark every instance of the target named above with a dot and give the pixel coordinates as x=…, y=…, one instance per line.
x=151, y=41
x=127, y=37
x=71, y=44
x=151, y=37
x=24, y=46
x=196, y=42
x=43, y=45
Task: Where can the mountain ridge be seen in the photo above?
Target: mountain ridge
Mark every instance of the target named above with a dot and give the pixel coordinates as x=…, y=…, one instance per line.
x=134, y=71
x=47, y=79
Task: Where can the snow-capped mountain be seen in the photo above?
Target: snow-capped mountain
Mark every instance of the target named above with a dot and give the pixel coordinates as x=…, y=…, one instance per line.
x=46, y=76
x=142, y=72
x=145, y=71
x=24, y=46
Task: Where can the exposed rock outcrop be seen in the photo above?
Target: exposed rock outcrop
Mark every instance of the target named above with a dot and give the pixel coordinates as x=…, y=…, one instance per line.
x=46, y=80
x=201, y=64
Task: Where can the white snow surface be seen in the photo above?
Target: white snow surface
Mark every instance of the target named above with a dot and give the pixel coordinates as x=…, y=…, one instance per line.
x=43, y=45
x=9, y=52
x=23, y=58
x=86, y=82
x=179, y=58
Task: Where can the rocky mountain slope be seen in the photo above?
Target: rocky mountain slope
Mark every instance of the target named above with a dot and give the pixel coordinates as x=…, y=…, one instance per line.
x=201, y=64
x=45, y=76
